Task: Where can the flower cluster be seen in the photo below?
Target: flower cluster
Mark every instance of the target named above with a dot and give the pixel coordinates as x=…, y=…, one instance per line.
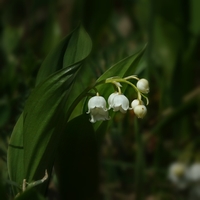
x=182, y=175
x=118, y=101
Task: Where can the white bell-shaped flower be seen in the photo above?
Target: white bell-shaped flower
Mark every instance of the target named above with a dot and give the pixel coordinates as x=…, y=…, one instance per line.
x=136, y=102
x=177, y=174
x=143, y=86
x=110, y=99
x=193, y=173
x=118, y=102
x=97, y=109
x=140, y=111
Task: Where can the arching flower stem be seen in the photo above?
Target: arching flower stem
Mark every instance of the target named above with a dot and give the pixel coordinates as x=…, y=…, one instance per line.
x=127, y=82
x=132, y=77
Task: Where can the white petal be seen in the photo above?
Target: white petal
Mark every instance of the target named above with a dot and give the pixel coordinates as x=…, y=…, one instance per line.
x=120, y=102
x=110, y=99
x=97, y=109
x=96, y=101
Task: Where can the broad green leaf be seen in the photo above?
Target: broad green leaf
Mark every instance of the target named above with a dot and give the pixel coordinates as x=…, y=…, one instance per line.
x=38, y=130
x=43, y=122
x=72, y=49
x=79, y=47
x=16, y=154
x=77, y=161
x=126, y=67
x=83, y=80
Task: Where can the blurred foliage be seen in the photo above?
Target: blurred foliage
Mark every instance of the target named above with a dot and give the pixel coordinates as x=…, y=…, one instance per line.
x=135, y=155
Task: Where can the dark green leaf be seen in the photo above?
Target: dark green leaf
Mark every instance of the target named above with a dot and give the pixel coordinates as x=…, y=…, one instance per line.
x=38, y=130
x=77, y=161
x=43, y=113
x=126, y=67
x=30, y=194
x=16, y=154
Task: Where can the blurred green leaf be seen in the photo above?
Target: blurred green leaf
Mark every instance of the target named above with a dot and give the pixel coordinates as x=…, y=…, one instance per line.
x=77, y=168
x=10, y=39
x=195, y=14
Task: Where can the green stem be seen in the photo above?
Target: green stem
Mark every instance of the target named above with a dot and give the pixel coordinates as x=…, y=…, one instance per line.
x=132, y=77
x=127, y=82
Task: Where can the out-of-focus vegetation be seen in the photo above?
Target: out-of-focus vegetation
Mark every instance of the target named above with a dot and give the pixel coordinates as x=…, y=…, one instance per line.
x=135, y=155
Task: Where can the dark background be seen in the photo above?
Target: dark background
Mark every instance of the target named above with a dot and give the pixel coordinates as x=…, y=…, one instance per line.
x=129, y=164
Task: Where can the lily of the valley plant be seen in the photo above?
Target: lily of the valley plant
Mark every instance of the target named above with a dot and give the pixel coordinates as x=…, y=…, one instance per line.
x=54, y=119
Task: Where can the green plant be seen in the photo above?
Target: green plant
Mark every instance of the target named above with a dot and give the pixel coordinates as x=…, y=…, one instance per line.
x=54, y=120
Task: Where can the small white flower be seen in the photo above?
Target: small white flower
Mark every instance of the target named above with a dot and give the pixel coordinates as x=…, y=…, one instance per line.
x=177, y=174
x=97, y=109
x=110, y=99
x=143, y=86
x=140, y=111
x=135, y=103
x=193, y=173
x=118, y=102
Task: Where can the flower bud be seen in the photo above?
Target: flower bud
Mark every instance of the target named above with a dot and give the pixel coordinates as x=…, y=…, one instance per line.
x=140, y=111
x=136, y=102
x=143, y=86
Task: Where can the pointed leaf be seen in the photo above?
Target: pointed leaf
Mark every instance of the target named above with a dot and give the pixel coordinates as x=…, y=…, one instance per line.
x=72, y=49
x=43, y=114
x=125, y=67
